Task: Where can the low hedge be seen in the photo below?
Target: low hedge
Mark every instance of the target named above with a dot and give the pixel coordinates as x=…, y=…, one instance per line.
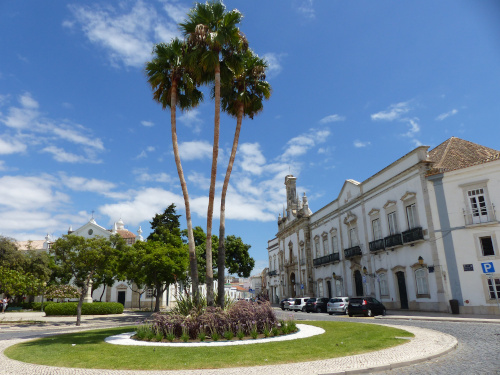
x=37, y=306
x=96, y=308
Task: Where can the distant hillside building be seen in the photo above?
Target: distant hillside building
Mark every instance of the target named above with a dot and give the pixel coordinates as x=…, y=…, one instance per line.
x=417, y=234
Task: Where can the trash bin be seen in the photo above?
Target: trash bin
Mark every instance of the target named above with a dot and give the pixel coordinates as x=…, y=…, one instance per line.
x=454, y=306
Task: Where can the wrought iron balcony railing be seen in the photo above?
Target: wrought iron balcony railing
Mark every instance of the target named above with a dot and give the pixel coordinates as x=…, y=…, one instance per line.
x=394, y=240
x=272, y=273
x=353, y=251
x=412, y=235
x=377, y=245
x=330, y=258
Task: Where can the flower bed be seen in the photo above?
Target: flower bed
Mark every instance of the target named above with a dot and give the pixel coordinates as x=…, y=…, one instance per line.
x=244, y=320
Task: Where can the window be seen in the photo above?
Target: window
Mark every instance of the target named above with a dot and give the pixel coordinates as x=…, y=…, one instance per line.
x=411, y=216
x=422, y=285
x=326, y=251
x=335, y=245
x=384, y=290
x=353, y=237
x=339, y=289
x=320, y=288
x=494, y=288
x=393, y=225
x=486, y=246
x=316, y=246
x=477, y=203
x=377, y=230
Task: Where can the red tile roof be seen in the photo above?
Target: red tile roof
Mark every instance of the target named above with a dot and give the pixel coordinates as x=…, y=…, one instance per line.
x=456, y=153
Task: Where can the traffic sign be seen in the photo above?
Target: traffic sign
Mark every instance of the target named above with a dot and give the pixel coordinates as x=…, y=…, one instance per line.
x=488, y=267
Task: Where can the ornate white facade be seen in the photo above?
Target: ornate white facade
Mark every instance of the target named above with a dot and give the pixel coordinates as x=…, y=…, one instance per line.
x=415, y=235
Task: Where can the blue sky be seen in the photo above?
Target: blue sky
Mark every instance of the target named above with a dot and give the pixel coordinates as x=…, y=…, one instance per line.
x=356, y=85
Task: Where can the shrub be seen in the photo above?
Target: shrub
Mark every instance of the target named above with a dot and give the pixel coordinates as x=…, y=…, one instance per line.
x=37, y=306
x=96, y=308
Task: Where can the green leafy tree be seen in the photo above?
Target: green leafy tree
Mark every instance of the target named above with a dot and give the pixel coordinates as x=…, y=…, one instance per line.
x=17, y=284
x=155, y=263
x=84, y=259
x=173, y=86
x=213, y=37
x=242, y=95
x=10, y=256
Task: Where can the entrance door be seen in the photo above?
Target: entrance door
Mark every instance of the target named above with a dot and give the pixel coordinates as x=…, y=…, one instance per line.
x=358, y=281
x=403, y=297
x=121, y=297
x=329, y=286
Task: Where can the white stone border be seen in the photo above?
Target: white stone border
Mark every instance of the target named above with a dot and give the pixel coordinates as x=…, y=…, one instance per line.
x=305, y=330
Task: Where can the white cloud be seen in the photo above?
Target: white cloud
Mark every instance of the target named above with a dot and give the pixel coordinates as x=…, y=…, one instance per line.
x=66, y=157
x=147, y=123
x=143, y=206
x=142, y=175
x=394, y=112
x=75, y=137
x=360, y=144
x=301, y=144
x=195, y=150
x=85, y=184
x=331, y=118
x=305, y=7
x=127, y=37
x=251, y=158
x=273, y=61
x=175, y=11
x=33, y=193
x=191, y=119
x=443, y=116
x=414, y=128
x=22, y=118
x=10, y=146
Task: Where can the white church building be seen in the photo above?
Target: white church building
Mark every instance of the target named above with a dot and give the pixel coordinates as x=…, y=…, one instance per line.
x=417, y=234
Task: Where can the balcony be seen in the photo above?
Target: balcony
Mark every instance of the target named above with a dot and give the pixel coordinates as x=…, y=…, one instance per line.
x=412, y=235
x=480, y=215
x=394, y=240
x=272, y=273
x=330, y=258
x=352, y=252
x=377, y=245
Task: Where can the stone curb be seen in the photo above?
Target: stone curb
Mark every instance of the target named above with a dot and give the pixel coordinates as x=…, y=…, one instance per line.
x=426, y=345
x=439, y=319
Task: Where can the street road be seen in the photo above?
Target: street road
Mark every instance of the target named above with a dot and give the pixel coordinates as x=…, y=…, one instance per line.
x=478, y=350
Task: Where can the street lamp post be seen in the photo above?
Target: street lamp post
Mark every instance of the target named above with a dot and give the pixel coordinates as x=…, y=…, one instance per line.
x=44, y=284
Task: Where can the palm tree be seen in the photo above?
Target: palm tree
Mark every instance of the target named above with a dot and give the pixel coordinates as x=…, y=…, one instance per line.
x=241, y=96
x=212, y=36
x=173, y=86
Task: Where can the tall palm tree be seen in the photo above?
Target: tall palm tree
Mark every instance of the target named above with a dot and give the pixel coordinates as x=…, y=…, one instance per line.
x=212, y=35
x=173, y=86
x=242, y=95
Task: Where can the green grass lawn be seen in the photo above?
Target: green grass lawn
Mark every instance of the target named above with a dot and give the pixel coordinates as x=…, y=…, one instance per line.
x=340, y=339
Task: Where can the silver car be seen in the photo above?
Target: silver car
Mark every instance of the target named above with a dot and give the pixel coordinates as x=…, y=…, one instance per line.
x=337, y=305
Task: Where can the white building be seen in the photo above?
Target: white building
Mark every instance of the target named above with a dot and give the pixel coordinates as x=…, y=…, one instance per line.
x=414, y=235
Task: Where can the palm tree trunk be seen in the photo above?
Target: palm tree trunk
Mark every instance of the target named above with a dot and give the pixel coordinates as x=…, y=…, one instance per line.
x=211, y=194
x=192, y=251
x=221, y=257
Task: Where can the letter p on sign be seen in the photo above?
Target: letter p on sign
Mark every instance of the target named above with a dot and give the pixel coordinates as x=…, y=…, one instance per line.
x=488, y=267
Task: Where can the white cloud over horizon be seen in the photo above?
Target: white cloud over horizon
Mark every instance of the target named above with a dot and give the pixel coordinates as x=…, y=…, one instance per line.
x=445, y=115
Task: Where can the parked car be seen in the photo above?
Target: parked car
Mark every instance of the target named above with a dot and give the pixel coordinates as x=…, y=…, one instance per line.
x=299, y=304
x=368, y=306
x=316, y=304
x=286, y=303
x=337, y=305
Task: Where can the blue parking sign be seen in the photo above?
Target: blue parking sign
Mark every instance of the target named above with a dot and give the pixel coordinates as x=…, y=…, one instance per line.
x=488, y=267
